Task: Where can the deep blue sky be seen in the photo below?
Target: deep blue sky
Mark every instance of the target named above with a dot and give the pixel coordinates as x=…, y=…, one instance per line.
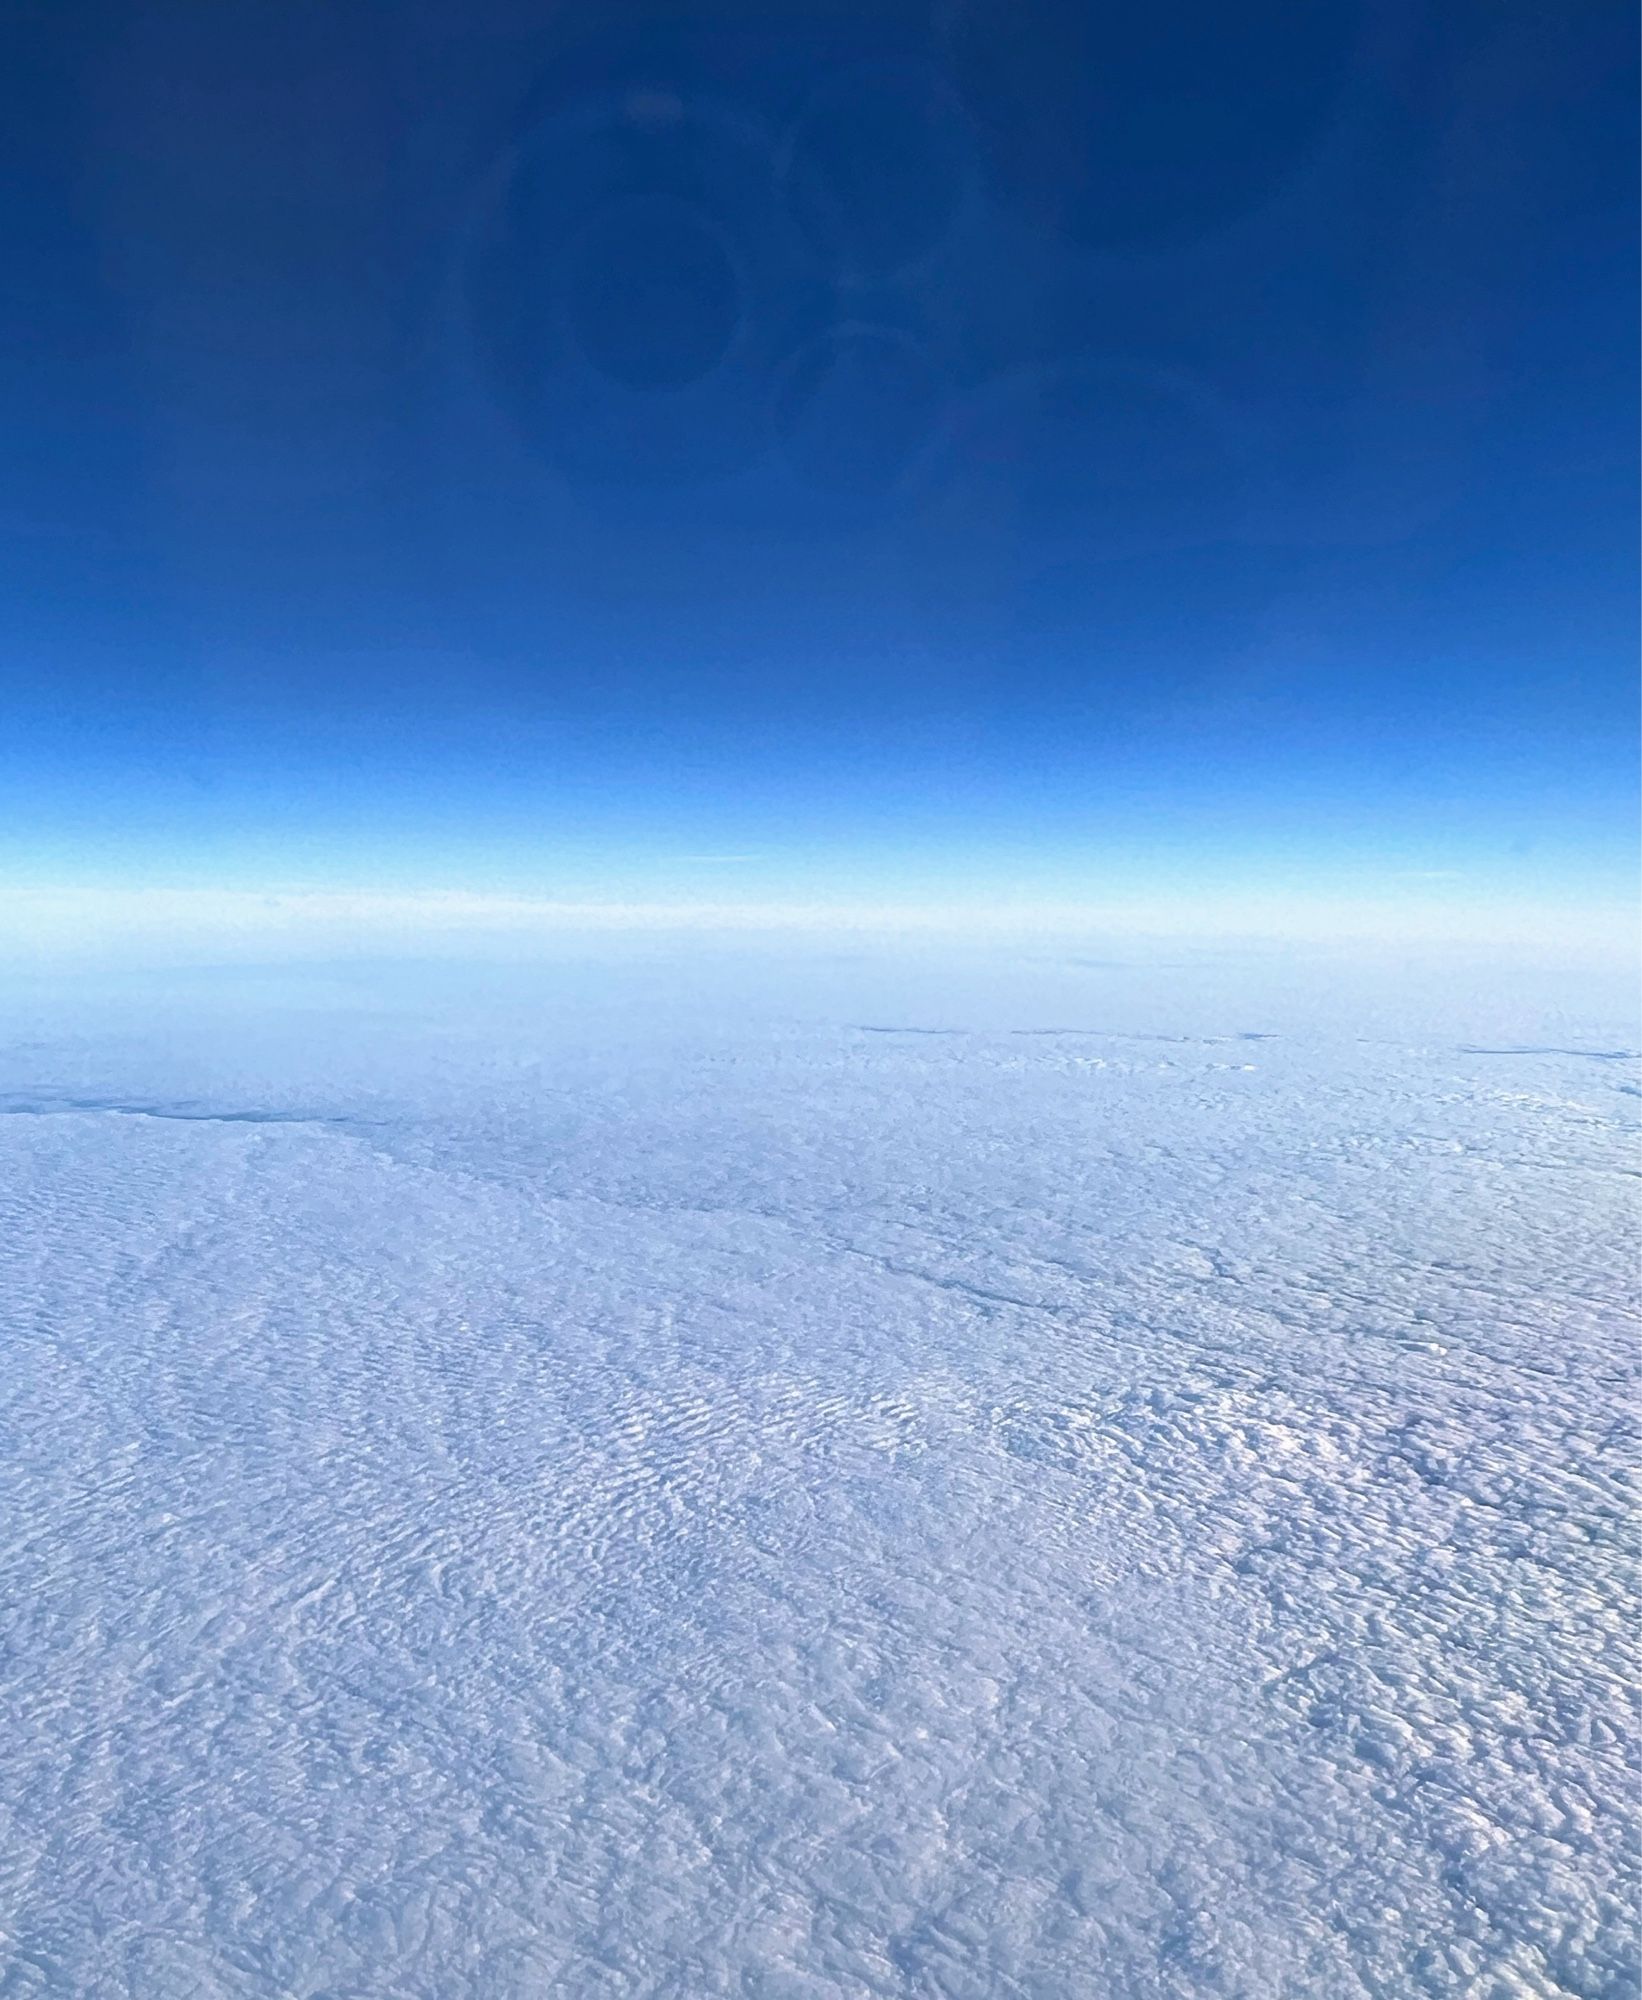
x=574, y=447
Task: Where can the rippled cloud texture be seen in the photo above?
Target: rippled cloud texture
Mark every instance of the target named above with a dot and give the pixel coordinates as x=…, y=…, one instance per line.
x=645, y=1486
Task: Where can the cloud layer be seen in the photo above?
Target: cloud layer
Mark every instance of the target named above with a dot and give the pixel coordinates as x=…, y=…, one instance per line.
x=802, y=1511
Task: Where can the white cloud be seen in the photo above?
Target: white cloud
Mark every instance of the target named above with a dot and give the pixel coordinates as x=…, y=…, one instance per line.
x=623, y=1507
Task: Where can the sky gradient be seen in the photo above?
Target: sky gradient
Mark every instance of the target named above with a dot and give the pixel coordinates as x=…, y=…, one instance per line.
x=872, y=456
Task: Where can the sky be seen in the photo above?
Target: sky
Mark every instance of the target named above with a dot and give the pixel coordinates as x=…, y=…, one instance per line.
x=704, y=456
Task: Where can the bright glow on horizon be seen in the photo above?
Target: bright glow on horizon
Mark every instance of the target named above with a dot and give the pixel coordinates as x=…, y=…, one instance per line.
x=85, y=921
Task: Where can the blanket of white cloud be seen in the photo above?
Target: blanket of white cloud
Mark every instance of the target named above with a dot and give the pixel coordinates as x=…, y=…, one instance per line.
x=658, y=1479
